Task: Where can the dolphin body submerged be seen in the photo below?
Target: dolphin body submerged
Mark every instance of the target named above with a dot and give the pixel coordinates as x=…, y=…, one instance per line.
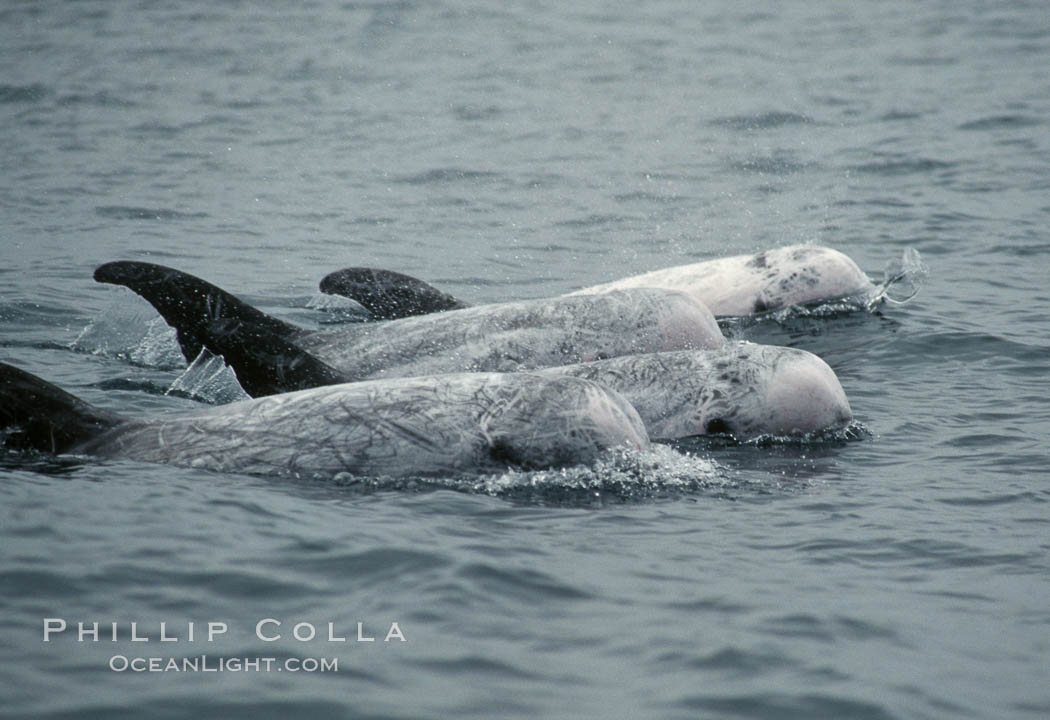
x=731, y=286
x=521, y=335
x=736, y=388
x=413, y=427
x=740, y=388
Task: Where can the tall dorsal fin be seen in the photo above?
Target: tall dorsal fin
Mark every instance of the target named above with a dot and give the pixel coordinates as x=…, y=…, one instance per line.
x=389, y=295
x=264, y=362
x=34, y=414
x=186, y=302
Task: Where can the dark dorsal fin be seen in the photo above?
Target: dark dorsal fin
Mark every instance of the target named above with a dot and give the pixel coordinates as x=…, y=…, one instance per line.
x=186, y=302
x=388, y=295
x=266, y=363
x=34, y=414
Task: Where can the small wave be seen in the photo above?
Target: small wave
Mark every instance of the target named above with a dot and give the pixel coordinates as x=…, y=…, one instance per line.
x=776, y=164
x=372, y=565
x=155, y=129
x=26, y=313
x=100, y=99
x=1001, y=122
x=894, y=115
x=648, y=198
x=921, y=61
x=904, y=166
x=476, y=112
x=23, y=93
x=35, y=461
x=38, y=584
x=520, y=584
x=766, y=705
x=762, y=121
x=446, y=175
x=121, y=212
x=594, y=220
x=377, y=220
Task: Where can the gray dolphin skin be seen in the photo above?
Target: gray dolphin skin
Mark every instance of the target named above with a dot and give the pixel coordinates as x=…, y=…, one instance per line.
x=730, y=287
x=770, y=280
x=424, y=426
x=659, y=348
x=507, y=337
x=519, y=335
x=741, y=389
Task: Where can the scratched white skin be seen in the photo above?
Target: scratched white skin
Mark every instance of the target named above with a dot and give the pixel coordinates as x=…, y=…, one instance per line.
x=519, y=335
x=731, y=286
x=741, y=389
x=442, y=425
x=502, y=337
x=769, y=280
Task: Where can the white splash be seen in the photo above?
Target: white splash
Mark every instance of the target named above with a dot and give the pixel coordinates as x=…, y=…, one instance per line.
x=130, y=329
x=209, y=379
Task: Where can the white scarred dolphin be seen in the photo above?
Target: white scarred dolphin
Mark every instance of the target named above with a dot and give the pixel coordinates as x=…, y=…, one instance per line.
x=740, y=388
x=731, y=286
x=769, y=280
x=423, y=426
x=737, y=388
x=493, y=338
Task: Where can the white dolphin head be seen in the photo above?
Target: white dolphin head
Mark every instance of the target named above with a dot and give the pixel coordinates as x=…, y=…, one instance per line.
x=803, y=396
x=740, y=389
x=770, y=390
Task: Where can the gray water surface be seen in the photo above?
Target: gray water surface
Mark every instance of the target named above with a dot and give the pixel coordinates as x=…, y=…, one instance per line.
x=523, y=150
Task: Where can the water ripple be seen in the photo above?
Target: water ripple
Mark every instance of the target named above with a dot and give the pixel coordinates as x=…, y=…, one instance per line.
x=522, y=585
x=121, y=212
x=768, y=706
x=762, y=121
x=23, y=93
x=1001, y=122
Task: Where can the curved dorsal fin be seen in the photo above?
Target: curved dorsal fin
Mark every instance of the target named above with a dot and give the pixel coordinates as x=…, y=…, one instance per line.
x=264, y=362
x=34, y=414
x=389, y=295
x=186, y=302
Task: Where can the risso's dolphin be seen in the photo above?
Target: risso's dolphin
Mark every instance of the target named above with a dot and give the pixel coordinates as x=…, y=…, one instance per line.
x=510, y=336
x=739, y=389
x=731, y=286
x=423, y=426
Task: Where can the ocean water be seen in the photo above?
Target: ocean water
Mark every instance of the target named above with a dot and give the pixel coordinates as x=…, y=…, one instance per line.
x=515, y=150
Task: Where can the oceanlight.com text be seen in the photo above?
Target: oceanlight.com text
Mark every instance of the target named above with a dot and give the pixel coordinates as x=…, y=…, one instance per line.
x=208, y=663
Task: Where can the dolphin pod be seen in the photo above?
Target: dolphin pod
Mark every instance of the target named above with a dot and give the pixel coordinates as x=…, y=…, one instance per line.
x=507, y=337
x=740, y=388
x=449, y=388
x=629, y=341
